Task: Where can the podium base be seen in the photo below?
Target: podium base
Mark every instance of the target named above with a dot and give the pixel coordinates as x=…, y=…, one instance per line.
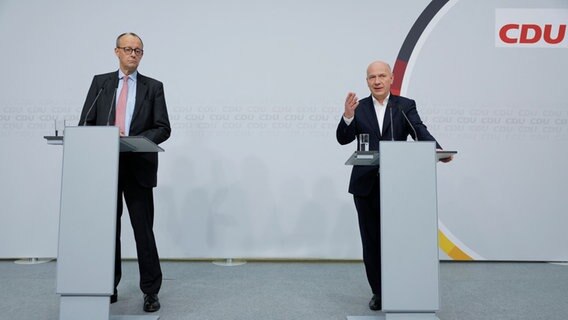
x=72, y=307
x=136, y=317
x=411, y=316
x=229, y=262
x=93, y=308
x=33, y=260
x=397, y=316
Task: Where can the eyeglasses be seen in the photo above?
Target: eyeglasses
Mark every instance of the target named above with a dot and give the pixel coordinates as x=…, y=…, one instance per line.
x=129, y=50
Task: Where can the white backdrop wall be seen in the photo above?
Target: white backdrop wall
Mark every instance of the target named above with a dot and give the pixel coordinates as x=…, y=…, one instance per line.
x=255, y=90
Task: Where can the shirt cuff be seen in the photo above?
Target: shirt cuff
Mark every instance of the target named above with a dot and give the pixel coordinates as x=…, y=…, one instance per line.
x=348, y=120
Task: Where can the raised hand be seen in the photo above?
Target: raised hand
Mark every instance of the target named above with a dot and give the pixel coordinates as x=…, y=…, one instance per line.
x=351, y=103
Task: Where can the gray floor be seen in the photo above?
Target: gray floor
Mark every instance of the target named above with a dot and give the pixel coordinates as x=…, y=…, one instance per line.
x=292, y=290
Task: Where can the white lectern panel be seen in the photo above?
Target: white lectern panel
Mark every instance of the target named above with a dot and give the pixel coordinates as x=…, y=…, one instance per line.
x=87, y=223
x=409, y=227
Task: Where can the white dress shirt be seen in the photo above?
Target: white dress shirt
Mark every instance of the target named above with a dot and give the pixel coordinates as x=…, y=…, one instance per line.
x=380, y=110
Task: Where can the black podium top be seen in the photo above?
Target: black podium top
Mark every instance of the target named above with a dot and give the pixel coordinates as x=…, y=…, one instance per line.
x=371, y=158
x=127, y=144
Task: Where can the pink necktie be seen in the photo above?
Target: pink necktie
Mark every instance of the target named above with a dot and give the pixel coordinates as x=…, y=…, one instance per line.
x=121, y=106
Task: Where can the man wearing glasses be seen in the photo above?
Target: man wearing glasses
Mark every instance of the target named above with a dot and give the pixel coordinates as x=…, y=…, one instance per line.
x=136, y=104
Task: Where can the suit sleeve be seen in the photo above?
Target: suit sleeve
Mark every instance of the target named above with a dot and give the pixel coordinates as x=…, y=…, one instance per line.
x=421, y=129
x=346, y=133
x=160, y=129
x=90, y=114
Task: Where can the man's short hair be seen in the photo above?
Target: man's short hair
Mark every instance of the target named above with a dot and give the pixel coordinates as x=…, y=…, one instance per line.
x=128, y=34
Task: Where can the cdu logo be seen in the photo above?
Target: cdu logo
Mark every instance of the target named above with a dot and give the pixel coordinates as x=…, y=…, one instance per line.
x=531, y=28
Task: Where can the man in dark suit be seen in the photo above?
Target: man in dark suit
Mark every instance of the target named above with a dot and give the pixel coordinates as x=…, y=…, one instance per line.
x=364, y=116
x=136, y=104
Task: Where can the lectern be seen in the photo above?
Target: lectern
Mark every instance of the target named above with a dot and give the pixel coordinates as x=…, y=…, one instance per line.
x=409, y=227
x=87, y=220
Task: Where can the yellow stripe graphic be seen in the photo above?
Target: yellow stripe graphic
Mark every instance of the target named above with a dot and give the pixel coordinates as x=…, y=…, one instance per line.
x=451, y=249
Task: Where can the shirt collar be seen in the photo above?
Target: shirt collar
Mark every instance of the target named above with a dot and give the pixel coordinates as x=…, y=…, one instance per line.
x=132, y=76
x=385, y=102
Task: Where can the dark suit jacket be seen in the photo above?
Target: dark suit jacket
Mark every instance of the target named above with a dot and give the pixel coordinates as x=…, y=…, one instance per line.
x=365, y=121
x=150, y=119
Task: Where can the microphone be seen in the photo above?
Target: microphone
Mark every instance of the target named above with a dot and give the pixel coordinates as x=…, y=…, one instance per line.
x=92, y=105
x=112, y=102
x=410, y=123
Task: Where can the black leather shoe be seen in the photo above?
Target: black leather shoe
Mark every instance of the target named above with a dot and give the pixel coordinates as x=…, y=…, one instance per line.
x=375, y=303
x=114, y=297
x=151, y=302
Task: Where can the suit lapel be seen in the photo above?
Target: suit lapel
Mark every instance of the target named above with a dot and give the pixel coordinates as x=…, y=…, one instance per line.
x=372, y=116
x=141, y=89
x=108, y=106
x=387, y=120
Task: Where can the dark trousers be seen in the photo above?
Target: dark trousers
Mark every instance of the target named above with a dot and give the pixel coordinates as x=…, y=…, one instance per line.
x=368, y=212
x=140, y=203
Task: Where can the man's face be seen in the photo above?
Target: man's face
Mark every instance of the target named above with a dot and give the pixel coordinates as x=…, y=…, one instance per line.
x=379, y=80
x=129, y=61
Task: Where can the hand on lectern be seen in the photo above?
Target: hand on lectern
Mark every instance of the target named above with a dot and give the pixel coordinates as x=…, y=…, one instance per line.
x=351, y=103
x=448, y=159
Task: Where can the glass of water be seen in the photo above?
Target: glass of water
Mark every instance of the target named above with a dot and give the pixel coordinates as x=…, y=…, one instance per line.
x=60, y=125
x=364, y=142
